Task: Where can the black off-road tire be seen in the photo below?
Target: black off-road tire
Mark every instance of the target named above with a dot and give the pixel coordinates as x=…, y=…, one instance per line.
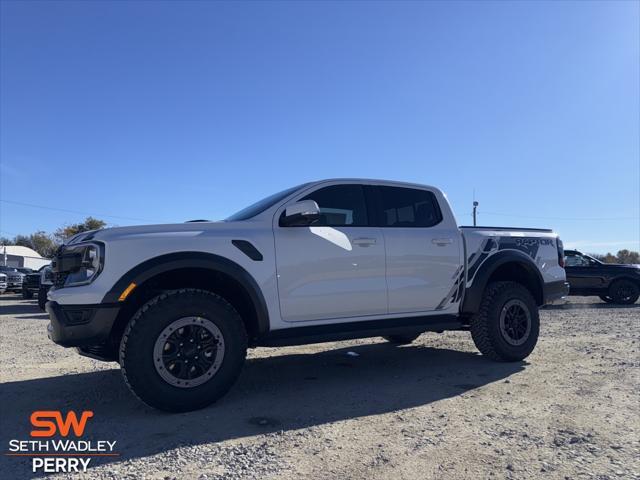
x=606, y=298
x=624, y=292
x=27, y=294
x=401, y=339
x=139, y=340
x=486, y=331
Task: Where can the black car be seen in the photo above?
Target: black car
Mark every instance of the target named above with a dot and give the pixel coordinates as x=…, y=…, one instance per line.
x=613, y=283
x=31, y=284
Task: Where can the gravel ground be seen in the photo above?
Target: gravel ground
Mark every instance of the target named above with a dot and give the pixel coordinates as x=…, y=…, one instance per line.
x=433, y=409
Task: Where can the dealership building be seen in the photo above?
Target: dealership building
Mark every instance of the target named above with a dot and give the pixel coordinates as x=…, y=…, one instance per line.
x=23, y=257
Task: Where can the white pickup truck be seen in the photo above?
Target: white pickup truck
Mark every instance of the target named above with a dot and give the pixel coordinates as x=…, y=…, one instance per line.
x=178, y=305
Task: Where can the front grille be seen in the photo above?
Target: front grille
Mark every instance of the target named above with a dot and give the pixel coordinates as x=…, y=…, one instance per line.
x=15, y=278
x=31, y=281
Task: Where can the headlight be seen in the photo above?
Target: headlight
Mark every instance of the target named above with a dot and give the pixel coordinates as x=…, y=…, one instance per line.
x=81, y=263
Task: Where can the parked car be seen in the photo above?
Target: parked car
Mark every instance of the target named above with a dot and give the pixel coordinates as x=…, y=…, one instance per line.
x=14, y=278
x=3, y=282
x=613, y=283
x=38, y=283
x=46, y=282
x=178, y=305
x=31, y=284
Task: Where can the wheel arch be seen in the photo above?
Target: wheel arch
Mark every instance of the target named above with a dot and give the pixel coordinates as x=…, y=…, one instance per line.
x=191, y=269
x=626, y=277
x=505, y=265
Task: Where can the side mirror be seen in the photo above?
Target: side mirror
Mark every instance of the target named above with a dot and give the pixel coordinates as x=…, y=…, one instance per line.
x=300, y=214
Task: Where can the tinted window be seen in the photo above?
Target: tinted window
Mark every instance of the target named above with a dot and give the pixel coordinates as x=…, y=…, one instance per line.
x=406, y=207
x=340, y=206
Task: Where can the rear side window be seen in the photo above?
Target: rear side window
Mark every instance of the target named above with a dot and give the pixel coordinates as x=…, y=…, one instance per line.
x=340, y=206
x=408, y=207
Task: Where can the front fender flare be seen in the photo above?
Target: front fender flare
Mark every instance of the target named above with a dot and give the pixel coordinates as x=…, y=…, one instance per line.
x=173, y=261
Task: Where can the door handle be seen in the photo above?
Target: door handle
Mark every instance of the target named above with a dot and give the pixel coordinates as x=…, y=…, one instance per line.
x=441, y=242
x=363, y=242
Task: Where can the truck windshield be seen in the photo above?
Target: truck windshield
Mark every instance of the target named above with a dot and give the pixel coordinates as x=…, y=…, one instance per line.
x=261, y=205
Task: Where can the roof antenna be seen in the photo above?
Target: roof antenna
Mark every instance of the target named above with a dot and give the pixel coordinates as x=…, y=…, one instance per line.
x=475, y=206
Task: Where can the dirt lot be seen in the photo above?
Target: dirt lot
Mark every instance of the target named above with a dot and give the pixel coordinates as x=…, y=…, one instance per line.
x=434, y=409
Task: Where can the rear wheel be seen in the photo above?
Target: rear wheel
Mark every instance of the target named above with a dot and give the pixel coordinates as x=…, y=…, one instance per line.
x=624, y=292
x=606, y=298
x=401, y=339
x=183, y=350
x=507, y=325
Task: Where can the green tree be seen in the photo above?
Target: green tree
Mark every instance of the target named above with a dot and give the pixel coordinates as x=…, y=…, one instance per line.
x=43, y=243
x=626, y=256
x=623, y=256
x=46, y=244
x=89, y=223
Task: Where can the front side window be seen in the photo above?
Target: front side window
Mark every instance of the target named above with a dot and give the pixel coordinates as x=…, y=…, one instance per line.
x=261, y=205
x=408, y=207
x=576, y=261
x=340, y=206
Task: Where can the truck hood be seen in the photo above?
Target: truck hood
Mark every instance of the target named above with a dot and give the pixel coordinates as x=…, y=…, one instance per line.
x=165, y=230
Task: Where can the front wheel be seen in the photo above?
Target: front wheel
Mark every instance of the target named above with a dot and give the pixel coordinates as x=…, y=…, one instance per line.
x=624, y=292
x=507, y=324
x=183, y=350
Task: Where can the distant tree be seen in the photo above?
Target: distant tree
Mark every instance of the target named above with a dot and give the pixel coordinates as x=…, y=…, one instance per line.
x=43, y=243
x=626, y=256
x=89, y=223
x=623, y=256
x=22, y=241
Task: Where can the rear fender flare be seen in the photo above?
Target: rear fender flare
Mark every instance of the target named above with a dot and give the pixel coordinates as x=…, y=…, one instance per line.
x=473, y=294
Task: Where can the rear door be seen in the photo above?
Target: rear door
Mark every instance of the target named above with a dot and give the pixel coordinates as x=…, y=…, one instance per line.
x=336, y=267
x=424, y=271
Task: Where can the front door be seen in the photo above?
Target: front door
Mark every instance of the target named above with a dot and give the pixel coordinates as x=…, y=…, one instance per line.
x=583, y=273
x=336, y=267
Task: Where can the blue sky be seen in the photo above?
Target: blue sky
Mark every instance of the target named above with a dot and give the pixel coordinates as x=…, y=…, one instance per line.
x=145, y=112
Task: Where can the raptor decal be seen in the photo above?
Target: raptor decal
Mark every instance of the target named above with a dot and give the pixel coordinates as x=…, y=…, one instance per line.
x=527, y=245
x=456, y=290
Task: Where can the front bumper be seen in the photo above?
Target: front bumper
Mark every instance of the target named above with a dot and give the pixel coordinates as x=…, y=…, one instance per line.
x=80, y=325
x=555, y=291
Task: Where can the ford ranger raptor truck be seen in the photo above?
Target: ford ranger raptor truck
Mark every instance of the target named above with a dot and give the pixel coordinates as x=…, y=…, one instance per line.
x=178, y=305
